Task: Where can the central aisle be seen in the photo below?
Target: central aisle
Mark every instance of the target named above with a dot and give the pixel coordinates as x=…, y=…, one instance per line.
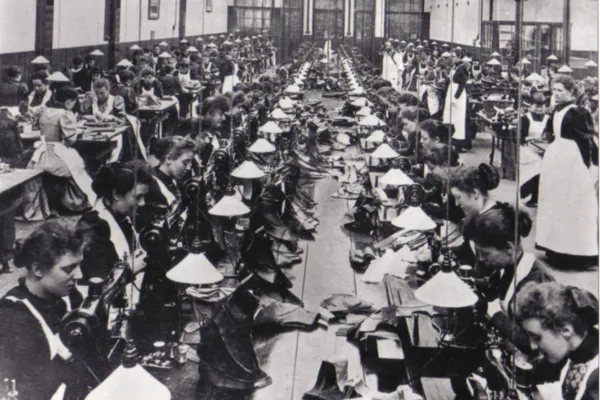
x=293, y=358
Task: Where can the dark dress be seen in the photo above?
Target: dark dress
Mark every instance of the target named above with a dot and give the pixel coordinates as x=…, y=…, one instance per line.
x=12, y=93
x=25, y=352
x=584, y=354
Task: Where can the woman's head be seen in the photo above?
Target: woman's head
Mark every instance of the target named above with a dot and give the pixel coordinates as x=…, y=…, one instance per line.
x=564, y=88
x=493, y=233
x=215, y=110
x=67, y=96
x=431, y=133
x=538, y=103
x=440, y=155
x=15, y=73
x=52, y=254
x=175, y=154
x=470, y=187
x=147, y=75
x=102, y=89
x=556, y=317
x=411, y=116
x=123, y=186
x=39, y=81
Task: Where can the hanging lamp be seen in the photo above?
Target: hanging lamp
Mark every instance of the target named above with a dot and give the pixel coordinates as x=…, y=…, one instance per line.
x=384, y=151
x=229, y=206
x=195, y=269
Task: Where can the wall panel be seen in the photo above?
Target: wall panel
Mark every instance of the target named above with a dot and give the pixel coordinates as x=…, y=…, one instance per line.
x=78, y=23
x=17, y=23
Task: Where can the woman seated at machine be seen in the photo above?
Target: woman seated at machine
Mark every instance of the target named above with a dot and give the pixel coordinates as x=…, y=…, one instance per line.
x=41, y=95
x=149, y=85
x=66, y=185
x=493, y=234
x=175, y=155
x=121, y=189
x=31, y=351
x=561, y=323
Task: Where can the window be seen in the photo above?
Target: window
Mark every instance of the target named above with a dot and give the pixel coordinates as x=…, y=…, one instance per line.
x=153, y=9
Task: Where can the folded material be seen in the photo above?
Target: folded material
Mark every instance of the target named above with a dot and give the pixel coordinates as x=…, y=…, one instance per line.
x=342, y=304
x=286, y=315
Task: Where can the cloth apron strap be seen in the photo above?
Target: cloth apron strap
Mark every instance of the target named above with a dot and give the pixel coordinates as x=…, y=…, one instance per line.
x=109, y=107
x=521, y=271
x=116, y=234
x=171, y=198
x=56, y=345
x=136, y=125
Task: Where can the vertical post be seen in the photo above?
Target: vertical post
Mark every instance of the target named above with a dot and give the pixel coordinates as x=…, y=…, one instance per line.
x=566, y=30
x=518, y=42
x=112, y=31
x=182, y=17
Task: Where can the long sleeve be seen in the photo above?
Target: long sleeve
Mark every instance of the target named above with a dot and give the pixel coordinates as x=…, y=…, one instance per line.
x=158, y=88
x=99, y=255
x=591, y=390
x=461, y=76
x=577, y=125
x=119, y=107
x=68, y=127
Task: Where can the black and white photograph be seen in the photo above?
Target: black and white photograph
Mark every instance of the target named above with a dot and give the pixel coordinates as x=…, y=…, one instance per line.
x=299, y=200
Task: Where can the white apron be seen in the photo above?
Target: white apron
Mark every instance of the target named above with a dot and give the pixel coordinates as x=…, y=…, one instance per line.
x=102, y=116
x=230, y=80
x=122, y=247
x=384, y=66
x=396, y=71
x=567, y=218
x=456, y=115
x=530, y=159
x=421, y=86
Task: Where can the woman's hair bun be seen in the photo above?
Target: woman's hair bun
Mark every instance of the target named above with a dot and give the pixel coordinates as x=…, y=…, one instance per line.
x=21, y=258
x=490, y=177
x=525, y=223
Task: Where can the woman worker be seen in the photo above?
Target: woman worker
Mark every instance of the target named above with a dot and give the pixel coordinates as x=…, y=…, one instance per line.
x=561, y=322
x=66, y=186
x=493, y=234
x=567, y=218
x=31, y=351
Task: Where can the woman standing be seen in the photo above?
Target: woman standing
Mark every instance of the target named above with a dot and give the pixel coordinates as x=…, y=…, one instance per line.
x=66, y=181
x=455, y=106
x=560, y=321
x=31, y=351
x=567, y=220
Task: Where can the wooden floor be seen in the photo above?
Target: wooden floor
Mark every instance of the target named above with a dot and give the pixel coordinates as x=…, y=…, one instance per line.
x=294, y=357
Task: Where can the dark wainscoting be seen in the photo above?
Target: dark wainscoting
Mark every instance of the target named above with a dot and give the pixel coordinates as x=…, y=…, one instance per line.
x=61, y=58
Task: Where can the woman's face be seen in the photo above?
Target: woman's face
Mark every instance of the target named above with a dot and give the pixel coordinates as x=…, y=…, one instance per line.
x=148, y=79
x=553, y=345
x=39, y=86
x=216, y=118
x=127, y=204
x=101, y=93
x=561, y=94
x=178, y=167
x=491, y=258
x=470, y=203
x=157, y=50
x=234, y=53
x=61, y=278
x=409, y=125
x=70, y=104
x=426, y=140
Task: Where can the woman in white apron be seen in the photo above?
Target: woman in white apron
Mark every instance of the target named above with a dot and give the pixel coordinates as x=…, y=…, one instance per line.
x=533, y=125
x=41, y=95
x=121, y=190
x=493, y=234
x=455, y=106
x=567, y=218
x=231, y=76
x=31, y=351
x=65, y=169
x=560, y=321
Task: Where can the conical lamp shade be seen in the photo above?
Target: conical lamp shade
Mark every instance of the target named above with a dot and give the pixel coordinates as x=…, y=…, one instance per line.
x=552, y=57
x=279, y=114
x=248, y=170
x=466, y=59
x=371, y=120
x=525, y=61
x=163, y=44
x=262, y=146
x=295, y=89
x=363, y=112
x=270, y=127
x=286, y=103
x=124, y=63
x=58, y=77
x=395, y=177
x=195, y=269
x=591, y=64
x=229, y=206
x=361, y=102
x=493, y=61
x=446, y=55
x=96, y=53
x=495, y=54
x=164, y=54
x=534, y=77
x=446, y=290
x=130, y=383
x=376, y=137
x=135, y=47
x=192, y=49
x=40, y=60
x=384, y=151
x=414, y=218
x=565, y=69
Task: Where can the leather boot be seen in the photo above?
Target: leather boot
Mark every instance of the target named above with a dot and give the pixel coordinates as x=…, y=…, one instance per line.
x=226, y=350
x=333, y=374
x=259, y=259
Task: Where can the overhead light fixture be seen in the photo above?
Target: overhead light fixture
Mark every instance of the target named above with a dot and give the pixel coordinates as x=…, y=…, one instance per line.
x=229, y=206
x=384, y=151
x=248, y=170
x=195, y=269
